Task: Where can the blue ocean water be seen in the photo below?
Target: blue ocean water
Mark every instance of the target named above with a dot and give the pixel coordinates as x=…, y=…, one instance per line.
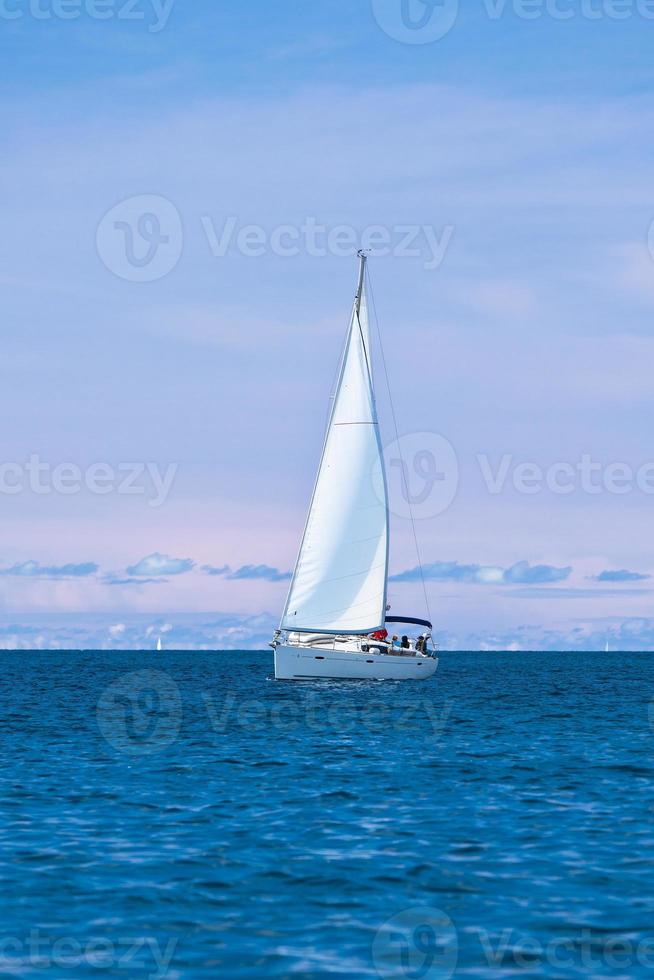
x=184, y=815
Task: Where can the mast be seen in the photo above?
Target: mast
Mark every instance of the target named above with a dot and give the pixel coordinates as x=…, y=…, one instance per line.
x=362, y=274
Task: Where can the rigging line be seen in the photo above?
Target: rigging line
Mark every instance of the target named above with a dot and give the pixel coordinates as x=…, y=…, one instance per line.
x=336, y=381
x=399, y=445
x=365, y=354
x=330, y=414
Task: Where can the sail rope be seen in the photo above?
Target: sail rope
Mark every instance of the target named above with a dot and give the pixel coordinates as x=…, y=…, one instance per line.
x=399, y=445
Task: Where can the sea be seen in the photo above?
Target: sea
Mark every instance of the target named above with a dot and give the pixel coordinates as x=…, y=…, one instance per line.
x=182, y=814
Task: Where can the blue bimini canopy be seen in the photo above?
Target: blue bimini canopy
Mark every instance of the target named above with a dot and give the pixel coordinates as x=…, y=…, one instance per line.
x=409, y=619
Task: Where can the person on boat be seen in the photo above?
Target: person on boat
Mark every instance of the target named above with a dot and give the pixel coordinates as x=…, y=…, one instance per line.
x=405, y=643
x=396, y=642
x=421, y=644
x=379, y=635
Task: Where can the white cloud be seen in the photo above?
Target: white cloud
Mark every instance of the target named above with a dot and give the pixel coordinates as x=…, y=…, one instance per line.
x=159, y=565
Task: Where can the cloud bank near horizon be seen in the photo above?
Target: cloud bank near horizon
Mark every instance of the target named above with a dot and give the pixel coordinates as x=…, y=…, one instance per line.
x=522, y=573
x=620, y=575
x=158, y=568
x=227, y=631
x=33, y=569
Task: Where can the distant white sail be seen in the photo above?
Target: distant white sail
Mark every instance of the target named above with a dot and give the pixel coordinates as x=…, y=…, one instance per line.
x=339, y=583
x=158, y=644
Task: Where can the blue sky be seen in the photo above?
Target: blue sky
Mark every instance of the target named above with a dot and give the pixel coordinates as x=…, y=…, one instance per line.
x=187, y=410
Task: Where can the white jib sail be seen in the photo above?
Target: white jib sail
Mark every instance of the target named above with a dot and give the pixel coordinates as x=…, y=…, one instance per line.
x=339, y=583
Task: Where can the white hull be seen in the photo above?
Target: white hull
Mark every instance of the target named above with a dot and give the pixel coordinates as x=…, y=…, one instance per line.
x=293, y=663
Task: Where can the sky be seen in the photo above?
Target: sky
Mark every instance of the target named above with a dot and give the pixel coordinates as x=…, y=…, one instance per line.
x=184, y=187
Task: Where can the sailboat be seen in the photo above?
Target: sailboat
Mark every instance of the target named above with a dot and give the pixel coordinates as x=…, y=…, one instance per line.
x=335, y=618
x=158, y=644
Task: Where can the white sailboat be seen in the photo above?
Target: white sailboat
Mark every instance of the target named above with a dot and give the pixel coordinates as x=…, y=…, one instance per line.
x=335, y=615
x=158, y=644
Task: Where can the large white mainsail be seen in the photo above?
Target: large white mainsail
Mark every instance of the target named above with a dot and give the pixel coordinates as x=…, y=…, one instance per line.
x=339, y=583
